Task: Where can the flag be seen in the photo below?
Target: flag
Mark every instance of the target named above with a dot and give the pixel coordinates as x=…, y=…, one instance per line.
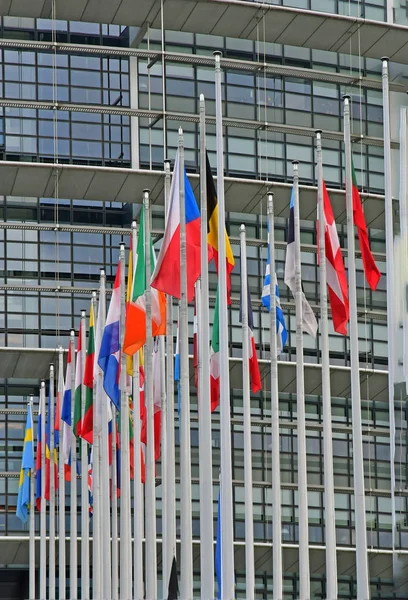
x=38, y=491
x=57, y=415
x=79, y=380
x=90, y=482
x=256, y=384
x=135, y=329
x=109, y=354
x=66, y=420
x=281, y=331
x=173, y=582
x=47, y=493
x=218, y=549
x=212, y=227
x=215, y=358
x=129, y=287
x=166, y=276
x=335, y=271
x=87, y=424
x=309, y=323
x=371, y=270
x=195, y=344
x=177, y=363
x=26, y=472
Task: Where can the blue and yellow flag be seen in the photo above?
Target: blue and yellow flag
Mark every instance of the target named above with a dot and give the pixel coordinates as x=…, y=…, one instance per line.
x=27, y=467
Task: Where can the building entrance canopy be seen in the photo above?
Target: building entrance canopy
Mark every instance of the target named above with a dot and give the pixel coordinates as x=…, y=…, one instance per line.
x=296, y=27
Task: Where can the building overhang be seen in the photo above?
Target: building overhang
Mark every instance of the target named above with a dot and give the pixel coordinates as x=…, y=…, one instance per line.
x=33, y=364
x=110, y=184
x=235, y=19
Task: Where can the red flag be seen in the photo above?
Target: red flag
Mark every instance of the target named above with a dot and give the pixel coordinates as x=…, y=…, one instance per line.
x=335, y=271
x=371, y=270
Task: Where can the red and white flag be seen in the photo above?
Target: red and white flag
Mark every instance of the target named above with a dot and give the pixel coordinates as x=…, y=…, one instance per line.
x=336, y=273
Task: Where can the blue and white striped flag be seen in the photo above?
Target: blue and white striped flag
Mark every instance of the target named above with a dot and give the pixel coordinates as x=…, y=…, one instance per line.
x=281, y=332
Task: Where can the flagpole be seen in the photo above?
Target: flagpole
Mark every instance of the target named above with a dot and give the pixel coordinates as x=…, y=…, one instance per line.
x=171, y=474
x=166, y=546
x=389, y=248
x=329, y=505
x=84, y=476
x=73, y=567
x=96, y=486
x=150, y=486
x=164, y=457
x=43, y=526
x=61, y=487
x=186, y=588
x=125, y=518
x=363, y=584
x=249, y=513
x=32, y=518
x=227, y=545
x=114, y=500
x=104, y=454
x=204, y=402
x=51, y=558
x=304, y=566
x=137, y=481
x=276, y=472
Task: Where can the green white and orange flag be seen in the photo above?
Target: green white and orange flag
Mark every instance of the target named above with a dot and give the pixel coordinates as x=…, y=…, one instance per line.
x=135, y=329
x=76, y=426
x=87, y=424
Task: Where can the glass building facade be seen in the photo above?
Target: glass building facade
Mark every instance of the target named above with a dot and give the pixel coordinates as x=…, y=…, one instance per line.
x=47, y=273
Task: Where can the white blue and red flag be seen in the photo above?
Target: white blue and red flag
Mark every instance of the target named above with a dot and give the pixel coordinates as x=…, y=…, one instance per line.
x=166, y=276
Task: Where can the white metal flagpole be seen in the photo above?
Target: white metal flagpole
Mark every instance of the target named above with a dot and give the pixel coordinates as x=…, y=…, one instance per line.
x=304, y=565
x=329, y=506
x=43, y=526
x=204, y=402
x=101, y=405
x=32, y=518
x=84, y=475
x=227, y=530
x=150, y=485
x=73, y=554
x=249, y=513
x=363, y=587
x=166, y=546
x=61, y=487
x=171, y=460
x=125, y=517
x=276, y=473
x=51, y=558
x=96, y=482
x=114, y=488
x=389, y=247
x=137, y=482
x=186, y=590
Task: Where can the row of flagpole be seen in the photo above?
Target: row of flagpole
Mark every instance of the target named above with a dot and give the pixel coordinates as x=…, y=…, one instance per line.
x=111, y=581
